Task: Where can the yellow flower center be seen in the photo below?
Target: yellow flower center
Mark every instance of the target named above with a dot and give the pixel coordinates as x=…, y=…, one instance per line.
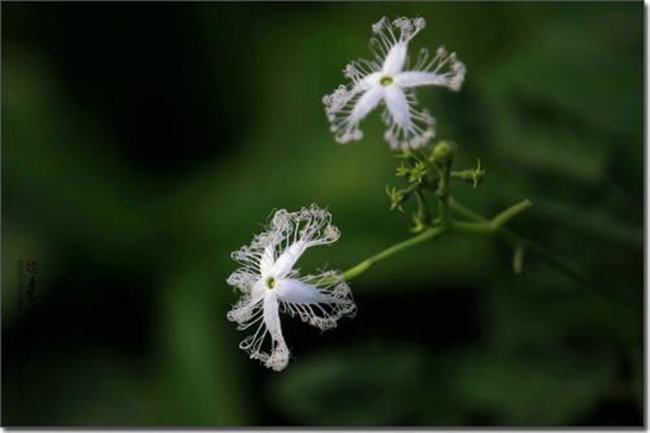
x=386, y=80
x=270, y=282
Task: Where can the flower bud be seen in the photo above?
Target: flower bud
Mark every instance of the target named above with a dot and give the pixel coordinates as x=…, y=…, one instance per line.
x=443, y=152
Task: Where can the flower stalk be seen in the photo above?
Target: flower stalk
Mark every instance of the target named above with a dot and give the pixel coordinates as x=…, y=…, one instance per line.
x=360, y=268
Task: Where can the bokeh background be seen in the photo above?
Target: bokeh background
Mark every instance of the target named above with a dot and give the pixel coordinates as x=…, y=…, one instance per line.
x=142, y=143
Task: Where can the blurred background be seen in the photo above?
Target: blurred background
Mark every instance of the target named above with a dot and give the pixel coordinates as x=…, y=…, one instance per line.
x=142, y=143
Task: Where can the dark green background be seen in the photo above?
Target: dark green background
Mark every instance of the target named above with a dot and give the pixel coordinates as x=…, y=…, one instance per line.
x=142, y=143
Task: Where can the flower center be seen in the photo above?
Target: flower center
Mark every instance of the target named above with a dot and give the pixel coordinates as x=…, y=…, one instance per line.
x=270, y=282
x=386, y=80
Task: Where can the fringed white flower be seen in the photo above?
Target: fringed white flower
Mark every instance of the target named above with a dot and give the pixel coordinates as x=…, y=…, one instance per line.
x=387, y=79
x=270, y=283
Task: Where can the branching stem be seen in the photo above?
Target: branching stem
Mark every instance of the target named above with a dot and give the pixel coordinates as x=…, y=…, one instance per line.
x=519, y=242
x=479, y=225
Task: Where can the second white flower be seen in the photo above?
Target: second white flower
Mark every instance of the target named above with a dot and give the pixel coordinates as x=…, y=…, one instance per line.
x=388, y=78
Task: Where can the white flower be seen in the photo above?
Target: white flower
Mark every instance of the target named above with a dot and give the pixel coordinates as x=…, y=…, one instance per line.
x=388, y=79
x=269, y=283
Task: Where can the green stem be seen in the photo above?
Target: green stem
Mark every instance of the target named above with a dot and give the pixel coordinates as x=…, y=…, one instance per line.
x=518, y=259
x=488, y=227
x=360, y=268
x=520, y=242
x=423, y=211
x=443, y=193
x=478, y=228
x=509, y=213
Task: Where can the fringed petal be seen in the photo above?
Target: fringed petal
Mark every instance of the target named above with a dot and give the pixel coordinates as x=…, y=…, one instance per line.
x=408, y=128
x=443, y=69
x=320, y=300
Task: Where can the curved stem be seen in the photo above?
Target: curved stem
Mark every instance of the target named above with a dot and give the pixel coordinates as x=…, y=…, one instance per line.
x=506, y=215
x=520, y=242
x=422, y=212
x=360, y=268
x=484, y=226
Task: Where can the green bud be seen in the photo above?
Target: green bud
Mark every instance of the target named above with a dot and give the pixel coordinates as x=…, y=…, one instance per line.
x=443, y=152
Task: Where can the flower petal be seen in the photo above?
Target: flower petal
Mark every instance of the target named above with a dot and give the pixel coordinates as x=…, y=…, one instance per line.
x=390, y=41
x=307, y=227
x=295, y=291
x=268, y=324
x=267, y=259
x=287, y=260
x=418, y=78
x=279, y=356
x=366, y=103
x=395, y=59
x=408, y=128
x=320, y=300
x=442, y=70
x=248, y=310
x=346, y=108
x=398, y=106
